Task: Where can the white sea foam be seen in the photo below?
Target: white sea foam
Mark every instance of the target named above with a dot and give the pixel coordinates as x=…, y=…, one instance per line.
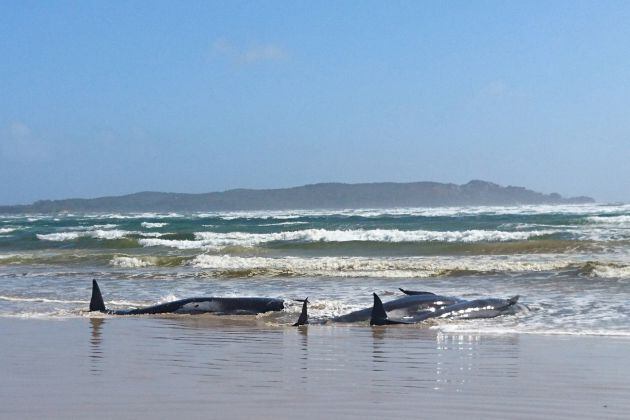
x=172, y=243
x=215, y=240
x=92, y=227
x=137, y=216
x=61, y=236
x=620, y=221
x=577, y=209
x=7, y=230
x=150, y=225
x=612, y=233
x=97, y=234
x=283, y=224
x=611, y=270
x=150, y=234
x=39, y=300
x=375, y=235
x=407, y=267
x=167, y=298
x=130, y=262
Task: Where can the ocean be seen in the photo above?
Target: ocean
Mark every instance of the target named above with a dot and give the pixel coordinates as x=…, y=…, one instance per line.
x=570, y=264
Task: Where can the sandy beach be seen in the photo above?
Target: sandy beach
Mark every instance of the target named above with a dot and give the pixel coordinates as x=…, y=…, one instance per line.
x=211, y=367
x=183, y=182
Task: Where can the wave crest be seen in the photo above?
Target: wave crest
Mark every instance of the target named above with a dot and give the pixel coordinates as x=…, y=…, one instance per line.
x=408, y=267
x=150, y=225
x=215, y=240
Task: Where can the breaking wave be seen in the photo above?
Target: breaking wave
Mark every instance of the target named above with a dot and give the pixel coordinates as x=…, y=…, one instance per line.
x=94, y=227
x=409, y=267
x=621, y=221
x=128, y=261
x=455, y=211
x=282, y=224
x=150, y=225
x=606, y=270
x=96, y=234
x=215, y=240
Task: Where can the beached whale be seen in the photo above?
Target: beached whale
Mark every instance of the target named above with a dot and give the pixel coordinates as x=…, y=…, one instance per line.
x=404, y=306
x=474, y=309
x=420, y=306
x=198, y=305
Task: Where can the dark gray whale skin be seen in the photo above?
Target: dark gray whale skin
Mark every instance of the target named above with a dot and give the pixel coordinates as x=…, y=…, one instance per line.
x=474, y=309
x=404, y=306
x=420, y=306
x=193, y=306
x=217, y=305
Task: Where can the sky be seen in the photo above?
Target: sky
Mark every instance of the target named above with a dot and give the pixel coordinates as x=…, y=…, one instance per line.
x=107, y=98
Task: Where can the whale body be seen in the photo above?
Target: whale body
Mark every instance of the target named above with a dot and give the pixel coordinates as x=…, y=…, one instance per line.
x=416, y=307
x=405, y=306
x=196, y=305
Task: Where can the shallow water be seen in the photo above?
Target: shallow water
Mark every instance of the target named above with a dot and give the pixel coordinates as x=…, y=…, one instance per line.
x=570, y=264
x=211, y=367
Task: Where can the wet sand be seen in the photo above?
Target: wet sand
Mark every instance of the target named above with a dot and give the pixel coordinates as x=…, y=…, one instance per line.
x=209, y=367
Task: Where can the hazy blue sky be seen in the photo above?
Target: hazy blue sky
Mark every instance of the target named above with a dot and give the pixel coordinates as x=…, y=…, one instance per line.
x=116, y=97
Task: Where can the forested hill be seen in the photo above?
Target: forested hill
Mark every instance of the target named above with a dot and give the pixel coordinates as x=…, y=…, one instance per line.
x=315, y=196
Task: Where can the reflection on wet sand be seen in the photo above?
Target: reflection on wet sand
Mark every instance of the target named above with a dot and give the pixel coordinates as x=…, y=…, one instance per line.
x=238, y=365
x=303, y=349
x=397, y=357
x=96, y=352
x=438, y=361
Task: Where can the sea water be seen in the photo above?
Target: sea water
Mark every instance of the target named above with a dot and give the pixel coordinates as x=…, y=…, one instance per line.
x=570, y=264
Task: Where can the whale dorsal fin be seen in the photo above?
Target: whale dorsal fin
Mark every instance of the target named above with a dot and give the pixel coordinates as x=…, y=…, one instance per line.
x=96, y=302
x=303, y=319
x=379, y=316
x=414, y=292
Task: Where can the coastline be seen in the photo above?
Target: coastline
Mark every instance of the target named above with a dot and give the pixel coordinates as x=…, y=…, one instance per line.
x=215, y=367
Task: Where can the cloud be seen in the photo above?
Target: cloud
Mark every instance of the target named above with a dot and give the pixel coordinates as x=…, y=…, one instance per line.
x=268, y=52
x=20, y=145
x=254, y=54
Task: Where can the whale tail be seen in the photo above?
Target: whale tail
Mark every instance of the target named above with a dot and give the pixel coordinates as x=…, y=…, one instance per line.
x=379, y=315
x=303, y=319
x=414, y=292
x=96, y=302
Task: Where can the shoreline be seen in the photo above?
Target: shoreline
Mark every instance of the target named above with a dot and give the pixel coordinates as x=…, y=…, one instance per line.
x=216, y=367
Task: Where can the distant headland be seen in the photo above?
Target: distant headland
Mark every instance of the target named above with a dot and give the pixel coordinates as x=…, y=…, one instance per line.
x=314, y=196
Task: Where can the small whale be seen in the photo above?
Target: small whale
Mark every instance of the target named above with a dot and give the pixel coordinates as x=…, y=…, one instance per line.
x=192, y=306
x=418, y=307
x=474, y=309
x=404, y=306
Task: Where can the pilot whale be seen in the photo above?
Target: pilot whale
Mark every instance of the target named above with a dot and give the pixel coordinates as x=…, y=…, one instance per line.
x=419, y=306
x=408, y=305
x=196, y=305
x=473, y=309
